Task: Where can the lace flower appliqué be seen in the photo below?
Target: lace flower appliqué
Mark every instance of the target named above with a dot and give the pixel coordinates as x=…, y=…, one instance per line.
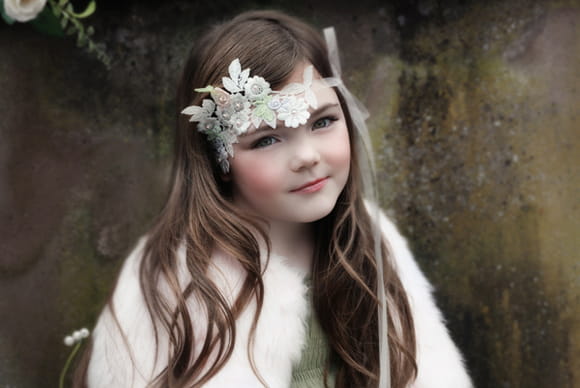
x=244, y=104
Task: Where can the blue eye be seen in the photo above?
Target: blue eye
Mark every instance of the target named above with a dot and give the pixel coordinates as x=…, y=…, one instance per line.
x=324, y=122
x=264, y=142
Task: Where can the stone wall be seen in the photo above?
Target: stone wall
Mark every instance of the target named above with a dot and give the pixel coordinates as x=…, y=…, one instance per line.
x=474, y=118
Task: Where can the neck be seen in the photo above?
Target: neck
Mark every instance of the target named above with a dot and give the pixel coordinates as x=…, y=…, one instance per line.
x=293, y=241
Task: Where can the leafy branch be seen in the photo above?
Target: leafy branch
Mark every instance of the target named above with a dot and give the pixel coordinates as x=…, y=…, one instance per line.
x=71, y=24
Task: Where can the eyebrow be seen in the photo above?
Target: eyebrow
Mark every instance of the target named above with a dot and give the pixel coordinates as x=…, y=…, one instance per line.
x=315, y=113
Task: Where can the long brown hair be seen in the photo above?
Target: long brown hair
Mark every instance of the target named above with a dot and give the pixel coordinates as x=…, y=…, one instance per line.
x=200, y=214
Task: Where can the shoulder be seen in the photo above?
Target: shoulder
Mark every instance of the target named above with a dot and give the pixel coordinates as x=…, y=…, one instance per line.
x=124, y=351
x=439, y=362
x=123, y=335
x=402, y=258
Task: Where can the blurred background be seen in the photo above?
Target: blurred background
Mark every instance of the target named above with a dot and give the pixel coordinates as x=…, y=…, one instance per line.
x=474, y=119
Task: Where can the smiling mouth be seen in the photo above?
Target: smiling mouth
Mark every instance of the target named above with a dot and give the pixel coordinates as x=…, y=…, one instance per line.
x=312, y=186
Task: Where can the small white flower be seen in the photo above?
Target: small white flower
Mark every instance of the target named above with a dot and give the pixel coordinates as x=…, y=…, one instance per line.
x=240, y=122
x=209, y=124
x=239, y=103
x=220, y=96
x=69, y=340
x=275, y=103
x=256, y=88
x=294, y=113
x=225, y=113
x=23, y=10
x=77, y=335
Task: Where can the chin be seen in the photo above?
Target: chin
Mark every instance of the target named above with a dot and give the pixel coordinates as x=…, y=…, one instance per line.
x=312, y=215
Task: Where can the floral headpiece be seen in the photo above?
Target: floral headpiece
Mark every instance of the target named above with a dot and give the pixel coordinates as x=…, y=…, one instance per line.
x=249, y=101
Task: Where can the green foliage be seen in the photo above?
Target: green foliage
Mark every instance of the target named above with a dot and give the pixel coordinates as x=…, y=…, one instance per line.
x=59, y=18
x=70, y=22
x=47, y=23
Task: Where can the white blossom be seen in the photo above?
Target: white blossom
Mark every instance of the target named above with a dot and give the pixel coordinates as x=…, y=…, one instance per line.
x=69, y=340
x=294, y=113
x=256, y=88
x=240, y=122
x=239, y=103
x=76, y=337
x=225, y=113
x=23, y=10
x=209, y=124
x=220, y=96
x=276, y=103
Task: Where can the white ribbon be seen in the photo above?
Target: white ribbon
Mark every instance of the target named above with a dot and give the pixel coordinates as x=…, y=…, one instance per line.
x=359, y=114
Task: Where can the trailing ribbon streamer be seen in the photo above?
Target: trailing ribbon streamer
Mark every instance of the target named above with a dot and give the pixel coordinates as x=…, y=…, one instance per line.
x=359, y=114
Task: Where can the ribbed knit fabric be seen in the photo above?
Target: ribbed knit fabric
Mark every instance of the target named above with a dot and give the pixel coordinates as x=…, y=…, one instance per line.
x=309, y=371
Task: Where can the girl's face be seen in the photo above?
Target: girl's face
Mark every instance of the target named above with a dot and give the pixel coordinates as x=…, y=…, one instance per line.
x=294, y=174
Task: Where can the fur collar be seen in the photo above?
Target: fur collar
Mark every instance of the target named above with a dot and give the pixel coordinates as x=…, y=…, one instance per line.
x=280, y=331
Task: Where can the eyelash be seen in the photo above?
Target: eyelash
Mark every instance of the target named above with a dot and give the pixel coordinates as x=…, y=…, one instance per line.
x=329, y=120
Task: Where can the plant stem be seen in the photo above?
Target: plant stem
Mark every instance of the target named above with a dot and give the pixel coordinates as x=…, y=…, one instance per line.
x=67, y=364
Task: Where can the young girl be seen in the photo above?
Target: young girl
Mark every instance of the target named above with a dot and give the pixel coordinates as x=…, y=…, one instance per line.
x=263, y=268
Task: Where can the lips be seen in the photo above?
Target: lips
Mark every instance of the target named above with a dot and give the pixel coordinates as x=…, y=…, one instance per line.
x=311, y=186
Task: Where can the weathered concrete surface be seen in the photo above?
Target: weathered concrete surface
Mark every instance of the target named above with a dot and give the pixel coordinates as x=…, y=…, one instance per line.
x=481, y=165
x=474, y=118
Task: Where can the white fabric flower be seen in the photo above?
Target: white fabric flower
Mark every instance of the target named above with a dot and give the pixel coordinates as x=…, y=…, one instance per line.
x=276, y=103
x=225, y=113
x=220, y=96
x=239, y=103
x=209, y=125
x=256, y=88
x=294, y=112
x=23, y=10
x=240, y=122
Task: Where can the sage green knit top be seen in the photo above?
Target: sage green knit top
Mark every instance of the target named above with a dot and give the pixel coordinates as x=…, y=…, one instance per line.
x=309, y=371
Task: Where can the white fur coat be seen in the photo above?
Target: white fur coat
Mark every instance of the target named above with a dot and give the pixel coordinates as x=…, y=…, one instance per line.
x=279, y=335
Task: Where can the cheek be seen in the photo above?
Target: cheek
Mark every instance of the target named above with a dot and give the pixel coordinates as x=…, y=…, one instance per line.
x=255, y=176
x=338, y=150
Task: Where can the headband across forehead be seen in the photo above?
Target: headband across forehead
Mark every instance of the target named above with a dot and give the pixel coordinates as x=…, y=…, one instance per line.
x=245, y=103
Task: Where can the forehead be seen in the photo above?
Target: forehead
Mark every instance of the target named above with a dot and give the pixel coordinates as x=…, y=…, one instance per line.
x=298, y=72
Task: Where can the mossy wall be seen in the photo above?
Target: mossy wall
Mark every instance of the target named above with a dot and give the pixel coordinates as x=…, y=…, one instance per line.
x=474, y=119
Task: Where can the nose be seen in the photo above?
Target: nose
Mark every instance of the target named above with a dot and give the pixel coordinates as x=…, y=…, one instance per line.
x=306, y=154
